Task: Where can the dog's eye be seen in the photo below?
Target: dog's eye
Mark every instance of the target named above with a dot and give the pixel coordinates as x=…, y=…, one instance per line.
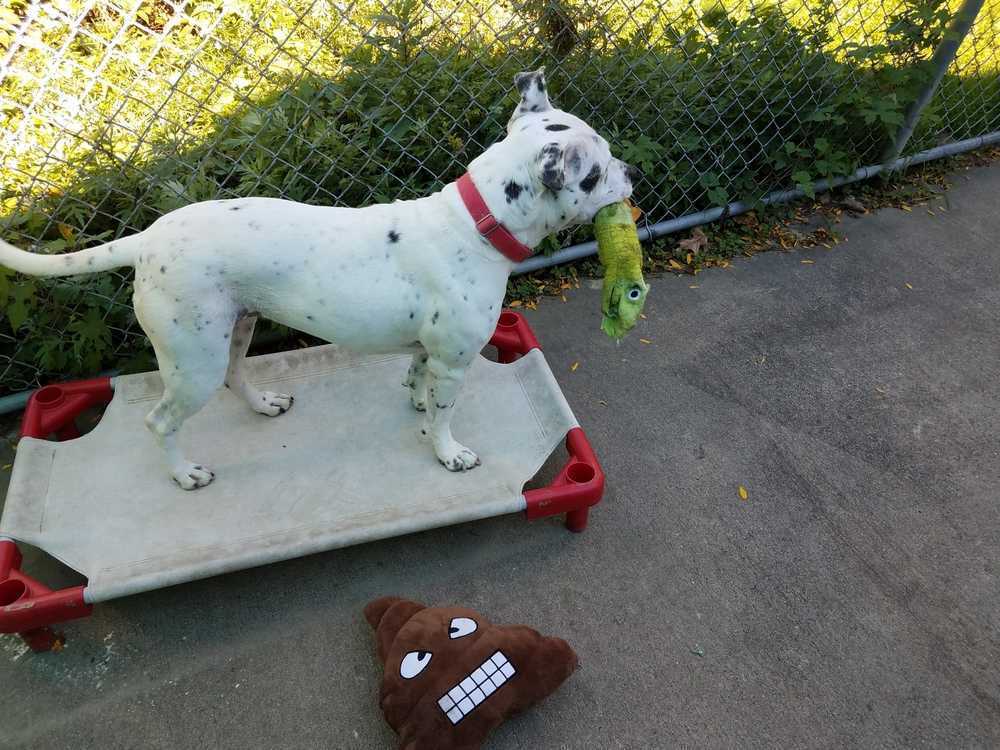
x=461, y=627
x=634, y=293
x=414, y=663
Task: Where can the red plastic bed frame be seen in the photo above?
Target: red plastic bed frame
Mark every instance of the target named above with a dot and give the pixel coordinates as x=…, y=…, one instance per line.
x=28, y=607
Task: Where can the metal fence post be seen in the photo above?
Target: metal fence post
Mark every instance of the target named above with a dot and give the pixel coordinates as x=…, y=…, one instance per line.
x=942, y=58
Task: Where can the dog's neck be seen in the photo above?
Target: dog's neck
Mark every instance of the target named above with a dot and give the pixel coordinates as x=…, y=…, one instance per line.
x=516, y=196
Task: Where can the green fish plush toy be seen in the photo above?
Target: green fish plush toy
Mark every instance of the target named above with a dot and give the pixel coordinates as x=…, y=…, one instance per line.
x=624, y=291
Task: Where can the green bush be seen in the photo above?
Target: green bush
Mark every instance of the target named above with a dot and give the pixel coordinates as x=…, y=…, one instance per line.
x=243, y=97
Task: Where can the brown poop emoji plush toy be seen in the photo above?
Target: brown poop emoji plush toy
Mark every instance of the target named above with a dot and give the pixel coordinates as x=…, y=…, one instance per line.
x=451, y=675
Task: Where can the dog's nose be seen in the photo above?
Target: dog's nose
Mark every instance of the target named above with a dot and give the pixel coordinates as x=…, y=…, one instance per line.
x=633, y=173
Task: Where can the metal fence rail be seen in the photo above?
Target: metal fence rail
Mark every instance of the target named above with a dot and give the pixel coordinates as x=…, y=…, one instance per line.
x=113, y=112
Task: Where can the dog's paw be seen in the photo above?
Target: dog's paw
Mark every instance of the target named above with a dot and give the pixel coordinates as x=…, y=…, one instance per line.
x=461, y=460
x=192, y=476
x=272, y=404
x=418, y=402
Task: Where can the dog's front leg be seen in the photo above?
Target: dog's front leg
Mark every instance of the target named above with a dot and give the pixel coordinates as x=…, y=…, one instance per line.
x=443, y=384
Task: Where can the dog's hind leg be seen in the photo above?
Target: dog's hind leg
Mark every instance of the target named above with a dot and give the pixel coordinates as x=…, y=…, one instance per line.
x=416, y=380
x=263, y=402
x=165, y=420
x=192, y=361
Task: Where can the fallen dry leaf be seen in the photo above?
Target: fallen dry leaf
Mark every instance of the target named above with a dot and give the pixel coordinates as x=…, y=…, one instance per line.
x=515, y=303
x=743, y=492
x=854, y=205
x=66, y=231
x=572, y=367
x=694, y=286
x=807, y=262
x=645, y=341
x=908, y=285
x=696, y=242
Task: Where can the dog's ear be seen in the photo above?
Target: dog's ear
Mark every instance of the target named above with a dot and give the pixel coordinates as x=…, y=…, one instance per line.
x=564, y=164
x=534, y=93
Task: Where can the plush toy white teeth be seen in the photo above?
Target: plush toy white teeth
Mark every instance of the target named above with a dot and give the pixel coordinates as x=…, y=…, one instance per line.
x=462, y=699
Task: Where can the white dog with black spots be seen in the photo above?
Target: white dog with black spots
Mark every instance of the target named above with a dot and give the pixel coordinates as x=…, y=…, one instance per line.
x=411, y=276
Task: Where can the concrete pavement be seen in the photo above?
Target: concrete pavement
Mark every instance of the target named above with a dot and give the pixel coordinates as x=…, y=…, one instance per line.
x=851, y=601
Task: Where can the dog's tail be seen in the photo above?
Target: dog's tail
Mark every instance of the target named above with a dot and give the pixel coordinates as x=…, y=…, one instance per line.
x=101, y=258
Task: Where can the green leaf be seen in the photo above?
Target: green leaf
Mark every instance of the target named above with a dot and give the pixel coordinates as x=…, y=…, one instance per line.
x=709, y=180
x=251, y=121
x=51, y=355
x=91, y=331
x=804, y=182
x=4, y=285
x=17, y=314
x=718, y=196
x=22, y=294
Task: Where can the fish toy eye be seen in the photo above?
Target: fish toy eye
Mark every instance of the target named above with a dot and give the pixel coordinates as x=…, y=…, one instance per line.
x=414, y=663
x=634, y=293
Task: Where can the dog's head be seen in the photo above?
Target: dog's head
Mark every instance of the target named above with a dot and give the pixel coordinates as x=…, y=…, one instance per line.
x=572, y=161
x=552, y=170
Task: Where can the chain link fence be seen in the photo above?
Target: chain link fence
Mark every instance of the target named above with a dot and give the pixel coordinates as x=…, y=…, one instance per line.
x=113, y=113
x=967, y=104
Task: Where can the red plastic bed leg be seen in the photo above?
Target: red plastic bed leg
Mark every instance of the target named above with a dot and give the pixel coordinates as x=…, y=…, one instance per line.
x=41, y=640
x=28, y=607
x=575, y=489
x=54, y=407
x=576, y=520
x=513, y=337
x=580, y=484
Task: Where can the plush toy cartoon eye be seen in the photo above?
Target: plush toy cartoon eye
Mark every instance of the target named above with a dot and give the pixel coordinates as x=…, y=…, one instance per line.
x=634, y=293
x=461, y=627
x=414, y=663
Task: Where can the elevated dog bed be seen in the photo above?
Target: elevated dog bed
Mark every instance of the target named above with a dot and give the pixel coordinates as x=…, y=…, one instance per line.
x=343, y=466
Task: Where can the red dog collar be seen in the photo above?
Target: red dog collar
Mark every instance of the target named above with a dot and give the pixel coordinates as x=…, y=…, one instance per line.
x=497, y=234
